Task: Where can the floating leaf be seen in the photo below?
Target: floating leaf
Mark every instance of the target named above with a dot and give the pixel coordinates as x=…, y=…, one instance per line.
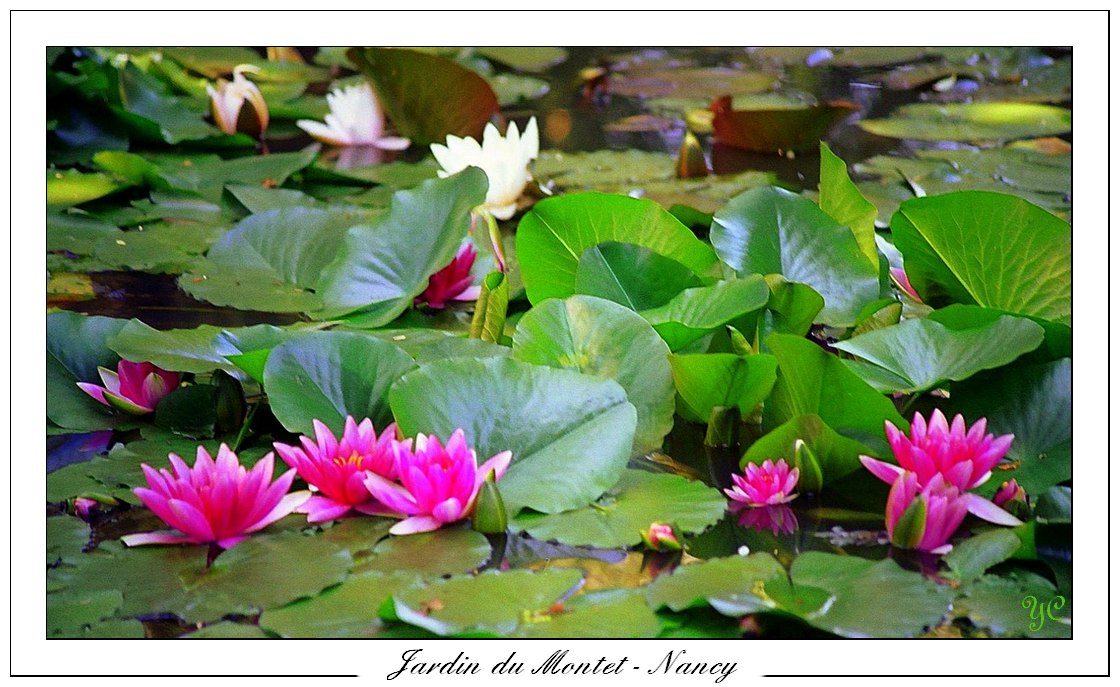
x=608, y=614
x=631, y=275
x=690, y=586
x=200, y=350
x=971, y=557
x=991, y=249
x=66, y=538
x=227, y=630
x=327, y=376
x=709, y=380
x=917, y=355
x=770, y=230
x=427, y=97
x=1023, y=605
x=604, y=339
x=553, y=236
x=380, y=269
x=348, y=610
x=695, y=312
x=430, y=555
x=69, y=612
x=527, y=58
x=493, y=603
x=570, y=433
x=71, y=187
x=618, y=518
x=971, y=121
x=75, y=349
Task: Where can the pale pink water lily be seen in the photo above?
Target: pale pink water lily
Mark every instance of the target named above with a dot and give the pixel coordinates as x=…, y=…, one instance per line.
x=452, y=283
x=228, y=100
x=215, y=501
x=135, y=388
x=505, y=159
x=779, y=519
x=661, y=537
x=355, y=119
x=1009, y=491
x=963, y=456
x=439, y=484
x=764, y=485
x=337, y=468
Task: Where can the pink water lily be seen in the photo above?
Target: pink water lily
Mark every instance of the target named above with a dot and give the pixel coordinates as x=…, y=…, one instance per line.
x=215, y=501
x=934, y=512
x=764, y=485
x=337, y=468
x=439, y=484
x=135, y=388
x=963, y=457
x=452, y=283
x=661, y=537
x=1009, y=491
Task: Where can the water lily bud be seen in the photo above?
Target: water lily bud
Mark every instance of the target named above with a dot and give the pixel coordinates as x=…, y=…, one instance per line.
x=490, y=511
x=690, y=158
x=238, y=106
x=661, y=537
x=807, y=466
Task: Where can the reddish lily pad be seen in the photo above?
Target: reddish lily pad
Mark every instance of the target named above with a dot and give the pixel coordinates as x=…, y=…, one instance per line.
x=774, y=130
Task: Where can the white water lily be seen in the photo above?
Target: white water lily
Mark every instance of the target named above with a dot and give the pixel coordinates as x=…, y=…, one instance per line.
x=505, y=159
x=228, y=98
x=355, y=119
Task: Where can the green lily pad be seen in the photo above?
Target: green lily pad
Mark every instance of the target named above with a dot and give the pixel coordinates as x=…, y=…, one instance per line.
x=1023, y=605
x=526, y=58
x=380, y=269
x=348, y=610
x=71, y=187
x=553, y=236
x=696, y=312
x=257, y=199
x=66, y=537
x=200, y=350
x=603, y=339
x=426, y=96
x=619, y=517
x=631, y=275
x=917, y=355
x=69, y=613
x=691, y=586
x=228, y=630
x=1033, y=402
x=708, y=380
x=493, y=603
x=207, y=175
x=570, y=433
x=971, y=557
x=811, y=381
x=770, y=230
x=76, y=232
x=607, y=614
x=832, y=454
x=76, y=347
x=971, y=121
x=326, y=376
x=157, y=247
x=448, y=551
x=841, y=199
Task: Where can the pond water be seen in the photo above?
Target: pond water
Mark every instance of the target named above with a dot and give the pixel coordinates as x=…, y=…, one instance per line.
x=596, y=100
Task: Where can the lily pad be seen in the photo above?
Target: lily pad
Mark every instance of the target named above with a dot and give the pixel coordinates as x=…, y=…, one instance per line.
x=831, y=454
x=380, y=269
x=448, y=551
x=66, y=537
x=553, y=236
x=200, y=350
x=491, y=604
x=971, y=557
x=974, y=122
x=841, y=199
x=773, y=130
x=76, y=347
x=691, y=586
x=427, y=97
x=327, y=376
x=604, y=339
x=608, y=614
x=348, y=610
x=69, y=612
x=1023, y=605
x=618, y=518
x=631, y=275
x=948, y=243
x=570, y=433
x=228, y=630
x=708, y=380
x=698, y=311
x=917, y=355
x=770, y=230
x=71, y=187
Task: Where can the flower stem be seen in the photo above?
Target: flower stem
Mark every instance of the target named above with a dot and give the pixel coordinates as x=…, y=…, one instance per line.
x=244, y=432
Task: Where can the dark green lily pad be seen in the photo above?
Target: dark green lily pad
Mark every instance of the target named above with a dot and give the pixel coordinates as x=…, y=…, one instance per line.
x=770, y=230
x=228, y=630
x=447, y=551
x=971, y=121
x=917, y=355
x=491, y=604
x=947, y=242
x=552, y=237
x=69, y=613
x=604, y=339
x=157, y=247
x=691, y=586
x=619, y=517
x=66, y=537
x=200, y=350
x=971, y=557
x=326, y=376
x=607, y=614
x=570, y=433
